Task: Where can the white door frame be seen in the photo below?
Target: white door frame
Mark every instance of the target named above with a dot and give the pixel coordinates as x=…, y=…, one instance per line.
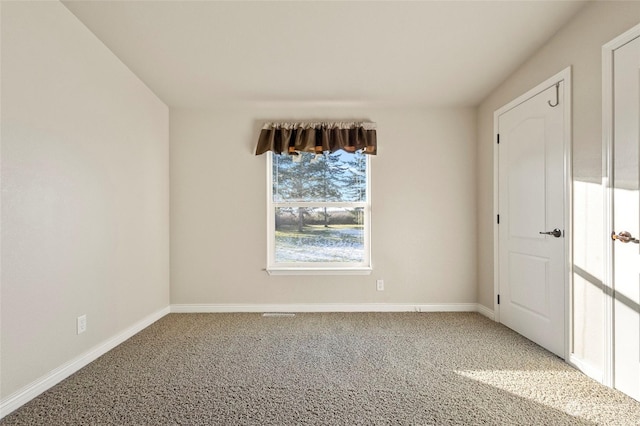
x=564, y=75
x=607, y=169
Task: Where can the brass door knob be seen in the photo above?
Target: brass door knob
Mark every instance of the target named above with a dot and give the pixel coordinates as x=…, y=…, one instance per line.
x=624, y=237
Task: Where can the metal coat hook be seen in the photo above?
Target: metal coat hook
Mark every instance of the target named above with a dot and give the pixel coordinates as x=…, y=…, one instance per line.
x=557, y=96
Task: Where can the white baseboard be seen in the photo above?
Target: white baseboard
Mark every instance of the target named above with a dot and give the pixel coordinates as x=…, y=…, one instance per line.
x=329, y=307
x=54, y=377
x=483, y=310
x=588, y=369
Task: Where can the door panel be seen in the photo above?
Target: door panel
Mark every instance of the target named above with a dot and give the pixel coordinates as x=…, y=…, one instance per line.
x=531, y=200
x=626, y=217
x=527, y=201
x=527, y=274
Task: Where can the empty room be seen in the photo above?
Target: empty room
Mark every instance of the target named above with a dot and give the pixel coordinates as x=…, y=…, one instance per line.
x=319, y=212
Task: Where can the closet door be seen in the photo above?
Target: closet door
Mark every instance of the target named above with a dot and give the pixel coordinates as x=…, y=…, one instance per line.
x=625, y=180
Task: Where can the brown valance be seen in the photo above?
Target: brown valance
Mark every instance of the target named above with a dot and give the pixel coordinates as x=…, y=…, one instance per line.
x=317, y=137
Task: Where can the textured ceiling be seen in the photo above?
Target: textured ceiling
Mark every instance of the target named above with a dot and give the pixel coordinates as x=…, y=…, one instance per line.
x=432, y=53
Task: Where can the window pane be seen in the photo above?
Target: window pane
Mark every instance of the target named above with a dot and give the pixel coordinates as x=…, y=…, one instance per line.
x=319, y=234
x=338, y=176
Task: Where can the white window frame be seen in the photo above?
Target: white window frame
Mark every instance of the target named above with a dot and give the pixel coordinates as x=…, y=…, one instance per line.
x=317, y=268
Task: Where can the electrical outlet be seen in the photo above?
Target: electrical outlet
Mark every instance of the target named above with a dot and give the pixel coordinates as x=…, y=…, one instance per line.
x=380, y=285
x=82, y=324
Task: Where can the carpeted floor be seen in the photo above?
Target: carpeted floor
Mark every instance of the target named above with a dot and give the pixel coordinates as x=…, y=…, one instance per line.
x=328, y=369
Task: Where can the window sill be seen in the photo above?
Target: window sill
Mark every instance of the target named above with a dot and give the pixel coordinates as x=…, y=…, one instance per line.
x=319, y=271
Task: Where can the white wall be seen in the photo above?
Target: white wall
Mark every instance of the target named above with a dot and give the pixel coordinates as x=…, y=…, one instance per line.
x=423, y=202
x=579, y=44
x=85, y=213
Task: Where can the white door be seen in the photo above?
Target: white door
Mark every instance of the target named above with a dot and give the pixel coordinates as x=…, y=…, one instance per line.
x=626, y=217
x=531, y=234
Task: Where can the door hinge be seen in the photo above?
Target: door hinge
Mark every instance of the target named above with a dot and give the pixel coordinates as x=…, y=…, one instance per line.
x=498, y=299
x=498, y=219
x=498, y=138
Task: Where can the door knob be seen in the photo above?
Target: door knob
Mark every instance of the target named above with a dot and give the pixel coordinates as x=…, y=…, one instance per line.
x=556, y=233
x=624, y=237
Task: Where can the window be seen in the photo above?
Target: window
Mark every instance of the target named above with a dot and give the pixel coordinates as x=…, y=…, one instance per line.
x=318, y=213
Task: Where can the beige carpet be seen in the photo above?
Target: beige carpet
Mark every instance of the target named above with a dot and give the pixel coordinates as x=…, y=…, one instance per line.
x=328, y=369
